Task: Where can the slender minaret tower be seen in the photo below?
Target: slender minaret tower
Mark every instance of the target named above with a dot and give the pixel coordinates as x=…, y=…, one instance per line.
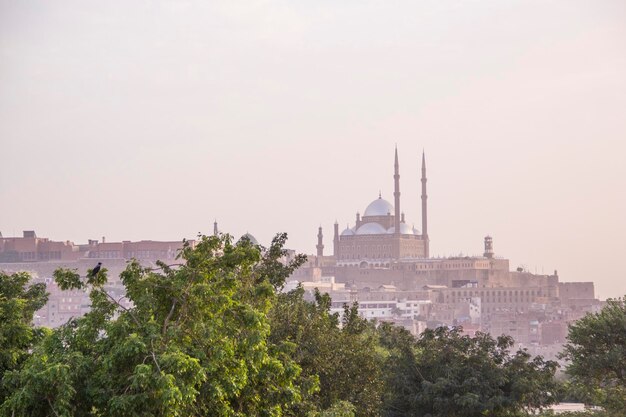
x=425, y=208
x=488, y=247
x=320, y=245
x=336, y=240
x=396, y=195
x=215, y=232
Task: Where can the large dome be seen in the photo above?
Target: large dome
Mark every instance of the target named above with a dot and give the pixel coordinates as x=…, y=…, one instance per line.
x=347, y=232
x=371, y=229
x=378, y=207
x=251, y=238
x=405, y=229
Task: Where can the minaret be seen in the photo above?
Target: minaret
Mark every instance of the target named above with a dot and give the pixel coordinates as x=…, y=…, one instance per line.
x=320, y=245
x=425, y=208
x=215, y=232
x=396, y=195
x=336, y=240
x=488, y=247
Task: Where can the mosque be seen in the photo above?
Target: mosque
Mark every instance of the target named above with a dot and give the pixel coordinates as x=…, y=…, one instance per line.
x=380, y=261
x=385, y=265
x=381, y=248
x=382, y=234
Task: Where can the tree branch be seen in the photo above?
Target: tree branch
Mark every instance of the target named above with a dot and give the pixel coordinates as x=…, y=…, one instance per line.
x=117, y=303
x=52, y=407
x=158, y=268
x=169, y=316
x=154, y=356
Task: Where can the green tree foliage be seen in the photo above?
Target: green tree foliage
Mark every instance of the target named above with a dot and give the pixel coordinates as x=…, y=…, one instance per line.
x=192, y=342
x=343, y=363
x=589, y=413
x=596, y=351
x=18, y=303
x=444, y=373
x=400, y=367
x=339, y=409
x=213, y=336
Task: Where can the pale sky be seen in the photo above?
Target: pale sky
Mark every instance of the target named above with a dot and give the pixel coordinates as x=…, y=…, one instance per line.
x=150, y=119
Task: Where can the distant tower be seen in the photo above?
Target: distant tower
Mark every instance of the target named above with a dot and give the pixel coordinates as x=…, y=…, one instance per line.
x=336, y=240
x=488, y=247
x=215, y=232
x=396, y=194
x=320, y=245
x=425, y=209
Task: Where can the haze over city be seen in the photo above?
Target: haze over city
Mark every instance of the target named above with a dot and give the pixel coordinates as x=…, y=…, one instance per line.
x=150, y=120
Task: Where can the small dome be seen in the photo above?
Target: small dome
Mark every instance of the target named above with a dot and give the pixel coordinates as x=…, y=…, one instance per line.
x=378, y=207
x=347, y=232
x=415, y=231
x=405, y=229
x=371, y=229
x=251, y=238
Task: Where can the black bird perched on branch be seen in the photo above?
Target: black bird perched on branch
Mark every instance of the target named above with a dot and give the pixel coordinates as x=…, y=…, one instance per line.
x=96, y=269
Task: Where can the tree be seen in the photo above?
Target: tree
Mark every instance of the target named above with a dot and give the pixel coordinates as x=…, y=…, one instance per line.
x=339, y=409
x=596, y=351
x=193, y=342
x=588, y=413
x=343, y=363
x=444, y=373
x=400, y=369
x=18, y=304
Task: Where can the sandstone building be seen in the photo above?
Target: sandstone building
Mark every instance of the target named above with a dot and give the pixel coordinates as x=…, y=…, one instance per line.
x=385, y=265
x=41, y=257
x=381, y=235
x=379, y=261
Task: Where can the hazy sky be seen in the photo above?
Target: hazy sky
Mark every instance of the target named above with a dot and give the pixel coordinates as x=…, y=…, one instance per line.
x=150, y=119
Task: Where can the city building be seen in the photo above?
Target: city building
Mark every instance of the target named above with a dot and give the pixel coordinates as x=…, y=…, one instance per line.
x=385, y=266
x=40, y=257
x=30, y=248
x=382, y=235
x=381, y=262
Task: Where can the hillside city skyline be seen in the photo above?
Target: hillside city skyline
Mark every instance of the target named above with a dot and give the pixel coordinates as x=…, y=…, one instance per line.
x=312, y=208
x=153, y=120
x=413, y=218
x=380, y=261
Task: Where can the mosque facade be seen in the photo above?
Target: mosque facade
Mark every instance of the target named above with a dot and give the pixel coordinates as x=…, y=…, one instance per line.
x=384, y=264
x=381, y=248
x=381, y=236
